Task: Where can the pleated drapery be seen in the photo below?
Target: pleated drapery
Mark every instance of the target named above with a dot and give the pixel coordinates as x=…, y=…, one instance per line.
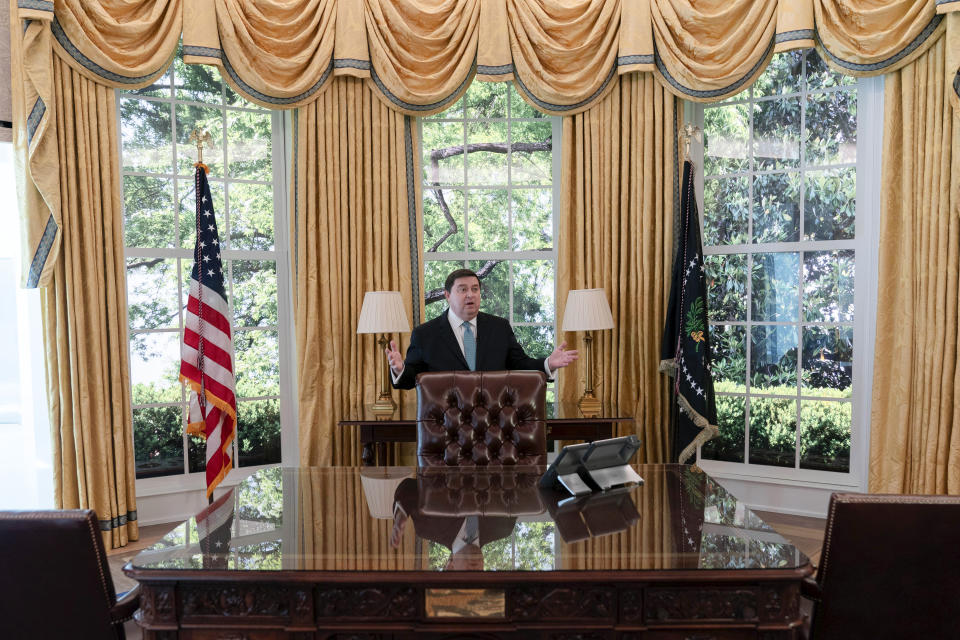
x=616, y=232
x=84, y=316
x=356, y=229
x=915, y=435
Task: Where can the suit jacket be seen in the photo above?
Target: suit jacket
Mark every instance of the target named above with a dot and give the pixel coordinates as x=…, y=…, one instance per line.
x=433, y=347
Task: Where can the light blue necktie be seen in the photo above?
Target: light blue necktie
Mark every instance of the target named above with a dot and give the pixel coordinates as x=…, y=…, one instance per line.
x=469, y=346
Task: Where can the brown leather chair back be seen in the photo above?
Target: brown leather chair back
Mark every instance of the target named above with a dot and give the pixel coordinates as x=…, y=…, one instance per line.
x=481, y=418
x=54, y=577
x=890, y=568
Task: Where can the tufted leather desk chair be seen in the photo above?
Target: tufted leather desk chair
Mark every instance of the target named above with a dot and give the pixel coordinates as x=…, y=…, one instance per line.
x=890, y=568
x=467, y=418
x=54, y=578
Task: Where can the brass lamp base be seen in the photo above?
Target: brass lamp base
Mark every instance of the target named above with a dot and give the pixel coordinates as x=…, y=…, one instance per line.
x=589, y=406
x=383, y=408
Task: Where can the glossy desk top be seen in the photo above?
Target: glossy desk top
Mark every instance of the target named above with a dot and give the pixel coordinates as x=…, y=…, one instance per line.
x=394, y=519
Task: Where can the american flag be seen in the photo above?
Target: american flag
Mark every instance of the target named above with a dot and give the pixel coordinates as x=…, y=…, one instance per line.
x=213, y=530
x=206, y=363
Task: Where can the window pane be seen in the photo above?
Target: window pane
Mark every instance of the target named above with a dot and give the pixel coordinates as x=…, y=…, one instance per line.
x=159, y=87
x=820, y=76
x=532, y=219
x=831, y=127
x=828, y=361
x=487, y=157
x=535, y=546
x=731, y=418
x=148, y=212
x=773, y=432
x=251, y=217
x=531, y=156
x=152, y=293
x=728, y=355
x=776, y=134
x=495, y=278
x=155, y=367
x=782, y=75
x=256, y=363
x=258, y=432
x=725, y=139
x=726, y=211
x=196, y=82
x=486, y=100
x=188, y=210
x=830, y=204
x=442, y=152
x=773, y=359
x=776, y=207
x=533, y=291
x=536, y=340
x=209, y=119
x=145, y=135
x=196, y=454
x=828, y=286
x=487, y=220
x=250, y=145
x=254, y=293
x=520, y=108
x=775, y=283
x=727, y=285
x=825, y=435
x=158, y=441
x=443, y=220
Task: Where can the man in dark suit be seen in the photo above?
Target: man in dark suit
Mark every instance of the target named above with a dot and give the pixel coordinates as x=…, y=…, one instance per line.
x=462, y=339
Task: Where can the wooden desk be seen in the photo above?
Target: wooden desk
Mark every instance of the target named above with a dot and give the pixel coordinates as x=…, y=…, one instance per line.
x=375, y=434
x=308, y=555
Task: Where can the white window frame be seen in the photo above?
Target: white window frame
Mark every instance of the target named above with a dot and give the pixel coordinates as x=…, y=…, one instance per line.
x=865, y=246
x=556, y=129
x=281, y=144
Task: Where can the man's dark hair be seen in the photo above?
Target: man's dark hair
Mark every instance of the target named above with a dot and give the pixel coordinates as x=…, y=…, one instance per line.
x=456, y=275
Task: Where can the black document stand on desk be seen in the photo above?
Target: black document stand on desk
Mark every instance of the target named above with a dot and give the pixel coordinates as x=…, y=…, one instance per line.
x=594, y=466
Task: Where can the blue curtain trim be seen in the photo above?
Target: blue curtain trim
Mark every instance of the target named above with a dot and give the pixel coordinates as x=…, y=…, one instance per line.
x=712, y=93
x=26, y=25
x=206, y=52
x=943, y=3
x=36, y=5
x=43, y=250
x=351, y=63
x=119, y=521
x=490, y=70
x=412, y=217
x=646, y=58
x=907, y=50
x=33, y=120
x=546, y=106
x=417, y=107
x=90, y=65
x=796, y=34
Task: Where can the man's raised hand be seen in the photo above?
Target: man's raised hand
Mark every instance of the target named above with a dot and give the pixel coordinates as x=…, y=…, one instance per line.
x=394, y=358
x=561, y=357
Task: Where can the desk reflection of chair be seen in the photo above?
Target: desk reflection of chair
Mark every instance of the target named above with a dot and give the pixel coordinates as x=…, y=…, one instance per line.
x=479, y=418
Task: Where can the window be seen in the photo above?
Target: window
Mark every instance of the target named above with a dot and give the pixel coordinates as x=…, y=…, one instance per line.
x=782, y=238
x=489, y=167
x=246, y=167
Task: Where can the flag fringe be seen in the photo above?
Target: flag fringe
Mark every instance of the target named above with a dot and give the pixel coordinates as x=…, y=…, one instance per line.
x=707, y=430
x=220, y=476
x=669, y=367
x=195, y=386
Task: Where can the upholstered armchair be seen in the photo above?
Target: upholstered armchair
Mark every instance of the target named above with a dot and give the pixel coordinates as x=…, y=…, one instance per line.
x=467, y=418
x=890, y=568
x=55, y=578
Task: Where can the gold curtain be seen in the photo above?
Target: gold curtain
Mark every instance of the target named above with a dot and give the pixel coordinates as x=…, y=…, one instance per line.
x=915, y=435
x=616, y=232
x=356, y=229
x=84, y=316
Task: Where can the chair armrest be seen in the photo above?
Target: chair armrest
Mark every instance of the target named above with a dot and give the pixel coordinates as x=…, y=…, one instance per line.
x=125, y=606
x=811, y=590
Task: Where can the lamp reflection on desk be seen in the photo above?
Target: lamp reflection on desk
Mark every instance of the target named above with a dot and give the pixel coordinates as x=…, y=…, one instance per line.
x=383, y=313
x=379, y=486
x=587, y=310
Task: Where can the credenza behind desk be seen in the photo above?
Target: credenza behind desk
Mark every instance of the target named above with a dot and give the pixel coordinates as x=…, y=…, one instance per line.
x=376, y=433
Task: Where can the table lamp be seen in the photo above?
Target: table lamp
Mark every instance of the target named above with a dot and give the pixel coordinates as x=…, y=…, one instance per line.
x=379, y=486
x=382, y=312
x=587, y=310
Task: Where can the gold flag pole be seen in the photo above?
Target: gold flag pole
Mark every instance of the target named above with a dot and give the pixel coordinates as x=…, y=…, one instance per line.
x=201, y=137
x=687, y=133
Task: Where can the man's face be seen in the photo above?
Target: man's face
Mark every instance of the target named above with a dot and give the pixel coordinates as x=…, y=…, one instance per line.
x=464, y=297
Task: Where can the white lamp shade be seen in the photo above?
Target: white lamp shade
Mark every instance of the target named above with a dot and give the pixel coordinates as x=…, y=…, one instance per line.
x=379, y=486
x=382, y=312
x=587, y=310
